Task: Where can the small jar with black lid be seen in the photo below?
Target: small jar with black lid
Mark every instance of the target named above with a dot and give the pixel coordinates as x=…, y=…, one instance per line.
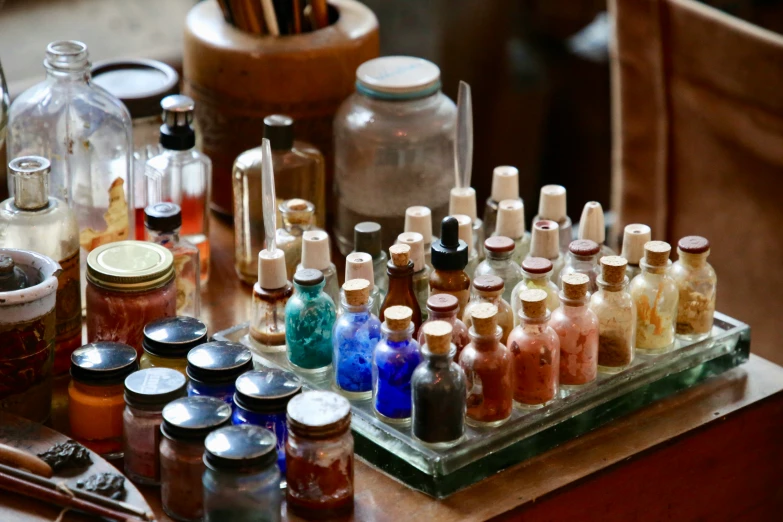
x=241, y=481
x=213, y=369
x=146, y=393
x=95, y=395
x=186, y=423
x=261, y=399
x=168, y=341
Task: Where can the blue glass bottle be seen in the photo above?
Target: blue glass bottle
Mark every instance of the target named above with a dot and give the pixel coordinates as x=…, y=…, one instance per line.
x=356, y=333
x=309, y=318
x=213, y=369
x=396, y=357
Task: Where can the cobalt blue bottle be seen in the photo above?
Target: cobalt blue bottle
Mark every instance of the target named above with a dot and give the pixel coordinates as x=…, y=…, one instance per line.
x=396, y=357
x=309, y=319
x=355, y=335
x=213, y=369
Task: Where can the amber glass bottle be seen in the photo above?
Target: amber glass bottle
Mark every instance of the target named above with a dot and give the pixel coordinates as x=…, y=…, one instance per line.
x=449, y=258
x=401, y=293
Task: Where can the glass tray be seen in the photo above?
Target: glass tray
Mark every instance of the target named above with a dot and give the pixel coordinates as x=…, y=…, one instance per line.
x=529, y=432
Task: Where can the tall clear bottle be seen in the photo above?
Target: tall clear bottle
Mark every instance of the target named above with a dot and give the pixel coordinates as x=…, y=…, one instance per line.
x=182, y=175
x=421, y=270
x=697, y=283
x=655, y=295
x=32, y=220
x=536, y=274
x=298, y=217
x=552, y=207
x=616, y=313
x=511, y=223
x=500, y=262
x=505, y=186
x=317, y=254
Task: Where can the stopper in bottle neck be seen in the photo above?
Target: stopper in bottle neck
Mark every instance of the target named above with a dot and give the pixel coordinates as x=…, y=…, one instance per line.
x=279, y=130
x=438, y=337
x=533, y=303
x=271, y=269
x=442, y=303
x=297, y=211
x=462, y=200
x=537, y=265
x=499, y=245
x=485, y=318
x=177, y=132
x=30, y=175
x=367, y=238
x=511, y=218
x=448, y=252
x=465, y=231
x=634, y=238
x=505, y=183
x=419, y=219
x=398, y=318
x=552, y=203
x=400, y=254
x=591, y=224
x=358, y=265
x=584, y=247
x=488, y=283
x=613, y=269
x=575, y=285
x=694, y=245
x=545, y=241
x=357, y=292
x=656, y=253
x=416, y=242
x=315, y=250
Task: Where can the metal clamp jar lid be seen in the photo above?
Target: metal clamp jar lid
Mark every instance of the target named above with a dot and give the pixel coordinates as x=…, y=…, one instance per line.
x=240, y=449
x=103, y=363
x=218, y=362
x=319, y=414
x=173, y=337
x=266, y=390
x=193, y=418
x=153, y=388
x=130, y=266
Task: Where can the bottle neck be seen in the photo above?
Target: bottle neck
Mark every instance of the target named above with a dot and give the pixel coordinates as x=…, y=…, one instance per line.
x=310, y=291
x=654, y=270
x=541, y=279
x=353, y=309
x=449, y=317
x=399, y=272
x=500, y=258
x=534, y=325
x=298, y=225
x=485, y=343
x=573, y=306
x=439, y=360
x=67, y=61
x=490, y=297
x=160, y=237
x=31, y=192
x=397, y=338
x=612, y=287
x=583, y=260
x=693, y=260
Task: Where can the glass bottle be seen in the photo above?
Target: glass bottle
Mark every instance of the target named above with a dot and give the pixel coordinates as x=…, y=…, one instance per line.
x=309, y=320
x=634, y=238
x=544, y=243
x=214, y=367
x=535, y=348
x=356, y=333
x=499, y=262
x=395, y=132
x=163, y=222
x=270, y=296
x=462, y=202
x=316, y=254
x=4, y=102
x=582, y=259
x=359, y=265
x=465, y=233
x=511, y=223
x=536, y=274
x=552, y=207
x=489, y=370
x=401, y=292
x=449, y=258
x=32, y=220
x=394, y=359
x=616, y=313
x=367, y=239
x=445, y=307
x=577, y=328
x=438, y=391
x=421, y=270
x=489, y=289
x=505, y=186
x=418, y=219
x=167, y=342
x=655, y=295
x=298, y=217
x=697, y=282
x=180, y=174
x=592, y=227
x=241, y=481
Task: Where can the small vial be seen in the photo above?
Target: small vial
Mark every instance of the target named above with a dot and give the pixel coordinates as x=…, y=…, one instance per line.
x=511, y=223
x=582, y=259
x=298, y=217
x=544, y=243
x=505, y=186
x=444, y=307
x=697, y=282
x=466, y=234
x=316, y=254
x=536, y=274
x=499, y=262
x=489, y=289
x=634, y=238
x=462, y=200
x=270, y=296
x=449, y=259
x=655, y=295
x=552, y=207
x=592, y=227
x=367, y=239
x=359, y=265
x=577, y=328
x=421, y=270
x=616, y=313
x=309, y=319
x=419, y=219
x=401, y=292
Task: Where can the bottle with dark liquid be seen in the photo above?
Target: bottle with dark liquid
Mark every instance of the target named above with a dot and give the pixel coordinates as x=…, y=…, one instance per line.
x=401, y=292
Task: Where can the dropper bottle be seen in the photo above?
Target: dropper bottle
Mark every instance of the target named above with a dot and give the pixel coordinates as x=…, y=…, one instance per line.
x=505, y=186
x=449, y=259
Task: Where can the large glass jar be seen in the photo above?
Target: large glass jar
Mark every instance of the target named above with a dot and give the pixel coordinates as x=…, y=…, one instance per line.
x=697, y=283
x=395, y=132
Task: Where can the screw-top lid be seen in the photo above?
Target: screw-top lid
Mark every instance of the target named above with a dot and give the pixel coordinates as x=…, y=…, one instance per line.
x=488, y=283
x=537, y=265
x=511, y=218
x=173, y=337
x=449, y=252
x=485, y=318
x=139, y=84
x=308, y=277
x=279, y=130
x=397, y=78
x=163, y=217
x=419, y=219
x=545, y=240
x=499, y=244
x=656, y=253
x=153, y=388
x=613, y=269
x=465, y=230
x=315, y=250
x=442, y=303
x=177, y=132
x=30, y=176
x=584, y=247
x=397, y=318
x=400, y=255
x=591, y=224
x=438, y=337
x=416, y=243
x=297, y=211
x=193, y=418
x=240, y=449
x=367, y=238
x=634, y=238
x=462, y=200
x=505, y=183
x=533, y=303
x=267, y=390
x=693, y=245
x=271, y=269
x=575, y=285
x=130, y=266
x=218, y=362
x=103, y=363
x=357, y=292
x=319, y=414
x=358, y=265
x=552, y=203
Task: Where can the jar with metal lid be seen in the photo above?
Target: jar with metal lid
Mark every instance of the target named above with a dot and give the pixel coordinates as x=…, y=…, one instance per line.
x=261, y=399
x=241, y=481
x=96, y=395
x=167, y=342
x=319, y=455
x=186, y=423
x=130, y=283
x=213, y=369
x=146, y=393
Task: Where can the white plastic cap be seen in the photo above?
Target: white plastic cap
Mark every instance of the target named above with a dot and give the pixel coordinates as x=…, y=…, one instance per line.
x=419, y=219
x=398, y=75
x=416, y=242
x=463, y=201
x=505, y=183
x=511, y=219
x=545, y=240
x=634, y=238
x=552, y=204
x=358, y=265
x=271, y=269
x=315, y=250
x=465, y=230
x=591, y=224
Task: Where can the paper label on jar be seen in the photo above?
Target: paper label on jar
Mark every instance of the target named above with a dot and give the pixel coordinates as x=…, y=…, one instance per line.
x=69, y=299
x=116, y=218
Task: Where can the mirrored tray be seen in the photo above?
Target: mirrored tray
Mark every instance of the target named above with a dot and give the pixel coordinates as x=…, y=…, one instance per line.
x=529, y=432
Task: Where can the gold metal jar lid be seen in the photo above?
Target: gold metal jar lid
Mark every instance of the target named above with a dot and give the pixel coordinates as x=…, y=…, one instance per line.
x=130, y=266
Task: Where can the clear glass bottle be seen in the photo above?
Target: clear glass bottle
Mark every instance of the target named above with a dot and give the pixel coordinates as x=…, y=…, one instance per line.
x=356, y=333
x=395, y=132
x=401, y=291
x=462, y=202
x=535, y=348
x=577, y=328
x=359, y=265
x=163, y=222
x=616, y=313
x=489, y=370
x=697, y=283
x=270, y=296
x=544, y=243
x=298, y=217
x=465, y=233
x=180, y=174
x=655, y=295
x=4, y=102
x=241, y=480
x=536, y=274
x=395, y=358
x=445, y=307
x=489, y=289
x=499, y=262
x=168, y=341
x=505, y=186
x=32, y=220
x=214, y=367
x=367, y=239
x=309, y=321
x=421, y=270
x=552, y=207
x=634, y=238
x=511, y=223
x=592, y=227
x=449, y=258
x=316, y=254
x=582, y=258
x=418, y=219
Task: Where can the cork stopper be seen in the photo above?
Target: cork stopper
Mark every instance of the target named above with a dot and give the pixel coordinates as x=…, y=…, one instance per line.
x=656, y=253
x=271, y=269
x=297, y=211
x=400, y=254
x=462, y=200
x=485, y=318
x=511, y=218
x=315, y=250
x=591, y=224
x=488, y=283
x=438, y=337
x=442, y=303
x=419, y=219
x=583, y=247
x=575, y=285
x=358, y=265
x=545, y=240
x=297, y=204
x=416, y=242
x=357, y=292
x=552, y=203
x=505, y=183
x=634, y=238
x=499, y=244
x=533, y=303
x=613, y=269
x=694, y=245
x=398, y=317
x=465, y=230
x=536, y=265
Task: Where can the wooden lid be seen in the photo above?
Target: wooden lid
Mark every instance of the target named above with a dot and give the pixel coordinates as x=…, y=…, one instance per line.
x=533, y=303
x=537, y=265
x=575, y=285
x=398, y=317
x=693, y=245
x=438, y=337
x=488, y=283
x=656, y=253
x=613, y=269
x=357, y=292
x=485, y=318
x=584, y=247
x=297, y=204
x=442, y=303
x=400, y=254
x=499, y=244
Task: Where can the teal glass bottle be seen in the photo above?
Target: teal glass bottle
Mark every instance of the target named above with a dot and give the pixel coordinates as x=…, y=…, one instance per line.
x=309, y=319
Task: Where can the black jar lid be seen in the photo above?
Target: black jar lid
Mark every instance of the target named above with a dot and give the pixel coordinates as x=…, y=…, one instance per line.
x=173, y=337
x=308, y=277
x=154, y=387
x=266, y=390
x=449, y=252
x=218, y=362
x=103, y=363
x=279, y=130
x=241, y=449
x=163, y=217
x=194, y=417
x=319, y=414
x=139, y=84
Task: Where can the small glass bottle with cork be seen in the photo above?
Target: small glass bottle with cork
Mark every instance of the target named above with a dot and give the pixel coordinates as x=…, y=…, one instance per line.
x=655, y=295
x=309, y=320
x=465, y=233
x=445, y=307
x=697, y=283
x=499, y=262
x=449, y=259
x=367, y=239
x=317, y=255
x=270, y=297
x=401, y=291
x=536, y=274
x=552, y=207
x=419, y=219
x=489, y=289
x=582, y=259
x=511, y=223
x=359, y=265
x=593, y=227
x=634, y=238
x=577, y=328
x=544, y=243
x=616, y=313
x=505, y=186
x=421, y=270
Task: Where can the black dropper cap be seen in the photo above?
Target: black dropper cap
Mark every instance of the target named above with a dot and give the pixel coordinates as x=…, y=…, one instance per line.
x=177, y=132
x=279, y=130
x=367, y=238
x=163, y=217
x=449, y=252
